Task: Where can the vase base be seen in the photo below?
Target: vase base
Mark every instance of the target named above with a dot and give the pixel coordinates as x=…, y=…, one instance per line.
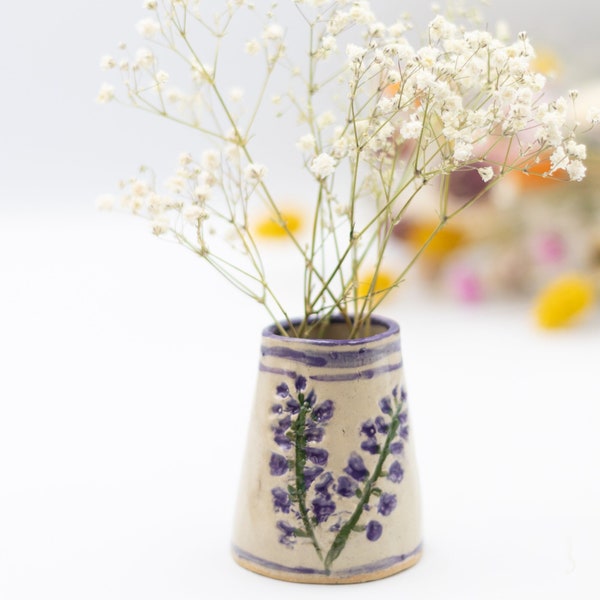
x=300, y=575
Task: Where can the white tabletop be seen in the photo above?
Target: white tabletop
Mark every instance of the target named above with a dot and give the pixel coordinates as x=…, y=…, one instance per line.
x=121, y=435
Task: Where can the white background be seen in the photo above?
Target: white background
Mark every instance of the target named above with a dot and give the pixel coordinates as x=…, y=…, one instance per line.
x=127, y=370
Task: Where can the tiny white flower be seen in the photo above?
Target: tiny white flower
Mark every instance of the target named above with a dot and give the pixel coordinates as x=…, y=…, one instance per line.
x=202, y=192
x=106, y=93
x=252, y=47
x=463, y=151
x=150, y=4
x=306, y=143
x=328, y=43
x=210, y=160
x=139, y=188
x=575, y=150
x=144, y=58
x=194, y=213
x=107, y=63
x=593, y=115
x=148, y=27
x=486, y=173
x=322, y=165
x=272, y=32
x=254, y=173
x=576, y=170
x=185, y=158
x=355, y=53
x=325, y=119
x=160, y=225
x=411, y=130
x=162, y=77
x=105, y=202
x=236, y=94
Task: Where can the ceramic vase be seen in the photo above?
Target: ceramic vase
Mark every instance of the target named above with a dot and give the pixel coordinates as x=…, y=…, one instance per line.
x=329, y=489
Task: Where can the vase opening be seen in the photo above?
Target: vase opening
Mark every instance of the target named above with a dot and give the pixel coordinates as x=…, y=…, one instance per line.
x=338, y=330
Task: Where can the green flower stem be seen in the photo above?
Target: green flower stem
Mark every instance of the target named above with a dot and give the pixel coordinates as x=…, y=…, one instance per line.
x=300, y=463
x=339, y=543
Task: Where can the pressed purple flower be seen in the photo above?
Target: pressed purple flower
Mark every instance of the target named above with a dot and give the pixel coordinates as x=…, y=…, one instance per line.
x=281, y=500
x=385, y=404
x=293, y=406
x=368, y=429
x=404, y=432
x=278, y=465
x=371, y=446
x=395, y=472
x=403, y=418
x=283, y=441
x=283, y=391
x=277, y=409
x=323, y=412
x=317, y=456
x=396, y=447
x=356, y=467
x=311, y=398
x=374, y=530
x=395, y=391
x=285, y=423
x=310, y=474
x=313, y=433
x=300, y=383
x=345, y=487
x=382, y=425
x=387, y=504
x=279, y=431
x=322, y=486
x=403, y=395
x=323, y=507
x=289, y=533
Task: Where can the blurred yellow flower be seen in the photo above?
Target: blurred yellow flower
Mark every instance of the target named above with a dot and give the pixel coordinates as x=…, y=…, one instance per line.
x=383, y=280
x=268, y=227
x=444, y=243
x=563, y=300
x=547, y=63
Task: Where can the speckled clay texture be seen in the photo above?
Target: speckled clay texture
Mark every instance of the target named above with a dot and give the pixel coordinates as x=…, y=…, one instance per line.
x=329, y=490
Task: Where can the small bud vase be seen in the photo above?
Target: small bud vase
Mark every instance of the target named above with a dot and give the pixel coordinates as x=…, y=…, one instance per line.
x=329, y=489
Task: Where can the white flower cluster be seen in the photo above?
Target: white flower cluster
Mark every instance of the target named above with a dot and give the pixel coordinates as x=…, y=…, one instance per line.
x=409, y=118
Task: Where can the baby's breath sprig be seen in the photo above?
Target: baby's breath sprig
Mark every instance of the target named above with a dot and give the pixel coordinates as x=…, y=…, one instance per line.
x=407, y=119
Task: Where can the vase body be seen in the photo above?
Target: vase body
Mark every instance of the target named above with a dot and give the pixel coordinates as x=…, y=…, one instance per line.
x=329, y=490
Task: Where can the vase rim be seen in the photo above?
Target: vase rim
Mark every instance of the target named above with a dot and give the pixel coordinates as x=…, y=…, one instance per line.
x=391, y=328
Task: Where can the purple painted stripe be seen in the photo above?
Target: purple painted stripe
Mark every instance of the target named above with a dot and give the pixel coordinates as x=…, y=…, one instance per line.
x=380, y=565
x=328, y=357
x=366, y=374
x=275, y=371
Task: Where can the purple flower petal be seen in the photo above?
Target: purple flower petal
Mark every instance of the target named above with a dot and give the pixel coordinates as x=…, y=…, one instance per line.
x=371, y=446
x=278, y=465
x=317, y=456
x=385, y=404
x=281, y=500
x=395, y=472
x=345, y=487
x=374, y=530
x=397, y=447
x=382, y=425
x=282, y=390
x=323, y=507
x=310, y=474
x=323, y=412
x=387, y=504
x=300, y=383
x=368, y=429
x=356, y=467
x=322, y=486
